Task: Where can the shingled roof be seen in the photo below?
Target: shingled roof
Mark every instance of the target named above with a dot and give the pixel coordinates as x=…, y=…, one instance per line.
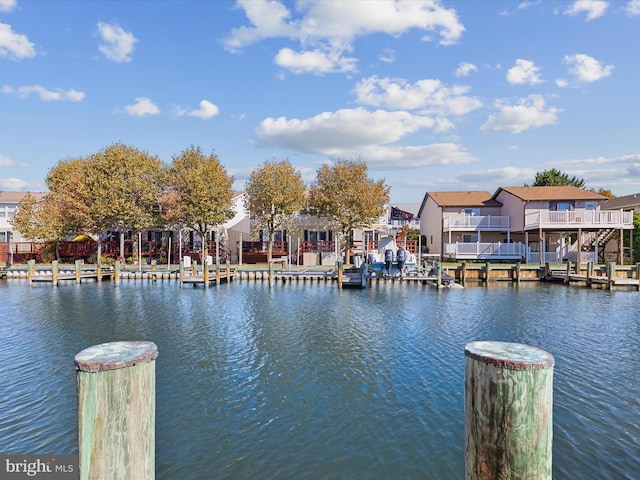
x=15, y=197
x=464, y=199
x=550, y=193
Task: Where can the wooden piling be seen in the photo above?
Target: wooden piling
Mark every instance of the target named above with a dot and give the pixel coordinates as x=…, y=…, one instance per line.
x=217, y=273
x=54, y=273
x=99, y=270
x=611, y=273
x=439, y=274
x=78, y=270
x=463, y=272
x=117, y=271
x=340, y=273
x=116, y=411
x=568, y=270
x=31, y=269
x=508, y=411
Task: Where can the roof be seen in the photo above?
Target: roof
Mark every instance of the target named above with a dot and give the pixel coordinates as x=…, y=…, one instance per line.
x=15, y=197
x=412, y=208
x=464, y=199
x=529, y=194
x=628, y=201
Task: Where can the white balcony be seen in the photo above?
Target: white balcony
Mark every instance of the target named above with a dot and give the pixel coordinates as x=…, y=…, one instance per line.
x=485, y=251
x=574, y=219
x=474, y=223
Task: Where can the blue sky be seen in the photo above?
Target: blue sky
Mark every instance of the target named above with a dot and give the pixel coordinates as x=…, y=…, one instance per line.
x=432, y=95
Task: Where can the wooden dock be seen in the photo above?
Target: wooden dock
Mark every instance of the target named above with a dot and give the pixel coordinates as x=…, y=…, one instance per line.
x=208, y=279
x=594, y=280
x=48, y=277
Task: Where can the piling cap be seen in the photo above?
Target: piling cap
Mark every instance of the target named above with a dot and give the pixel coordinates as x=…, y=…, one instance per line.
x=115, y=355
x=514, y=356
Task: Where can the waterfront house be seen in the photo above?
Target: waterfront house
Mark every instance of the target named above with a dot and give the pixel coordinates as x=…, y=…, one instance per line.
x=467, y=226
x=533, y=224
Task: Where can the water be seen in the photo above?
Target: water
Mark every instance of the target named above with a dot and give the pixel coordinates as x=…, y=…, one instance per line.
x=306, y=381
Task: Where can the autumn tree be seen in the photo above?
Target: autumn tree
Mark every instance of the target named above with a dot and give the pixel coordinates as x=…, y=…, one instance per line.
x=343, y=193
x=123, y=187
x=199, y=193
x=555, y=177
x=274, y=192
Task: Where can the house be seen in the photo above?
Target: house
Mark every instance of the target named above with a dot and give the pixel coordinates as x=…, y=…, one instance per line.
x=534, y=224
x=467, y=226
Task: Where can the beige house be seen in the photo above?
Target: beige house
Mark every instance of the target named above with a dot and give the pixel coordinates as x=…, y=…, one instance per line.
x=532, y=224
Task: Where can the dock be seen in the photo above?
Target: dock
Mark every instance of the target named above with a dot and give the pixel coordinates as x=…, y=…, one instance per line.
x=49, y=277
x=208, y=279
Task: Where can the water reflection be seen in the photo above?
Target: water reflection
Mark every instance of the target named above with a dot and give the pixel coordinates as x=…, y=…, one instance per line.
x=304, y=380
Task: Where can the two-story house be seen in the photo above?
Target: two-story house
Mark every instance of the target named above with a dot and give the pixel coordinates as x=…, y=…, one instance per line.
x=532, y=224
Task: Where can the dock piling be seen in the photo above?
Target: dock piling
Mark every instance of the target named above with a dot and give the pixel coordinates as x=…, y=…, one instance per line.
x=508, y=411
x=116, y=410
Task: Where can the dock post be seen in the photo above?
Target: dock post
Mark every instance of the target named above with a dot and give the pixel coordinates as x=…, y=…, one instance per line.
x=463, y=272
x=98, y=270
x=638, y=272
x=116, y=410
x=568, y=270
x=611, y=273
x=518, y=271
x=547, y=270
x=117, y=271
x=217, y=272
x=54, y=273
x=181, y=272
x=508, y=411
x=228, y=271
x=487, y=271
x=31, y=269
x=194, y=268
x=205, y=272
x=78, y=270
x=439, y=274
x=340, y=272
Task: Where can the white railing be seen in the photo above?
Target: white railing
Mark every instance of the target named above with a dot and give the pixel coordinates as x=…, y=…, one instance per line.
x=479, y=250
x=476, y=222
x=579, y=218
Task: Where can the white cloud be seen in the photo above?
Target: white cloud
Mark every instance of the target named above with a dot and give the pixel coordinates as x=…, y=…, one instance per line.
x=14, y=45
x=143, y=107
x=633, y=7
x=344, y=129
x=429, y=95
x=7, y=5
x=13, y=184
x=530, y=112
x=315, y=61
x=6, y=161
x=206, y=111
x=57, y=95
x=407, y=157
x=504, y=176
x=116, y=44
x=465, y=68
x=593, y=8
x=326, y=29
x=524, y=71
x=387, y=56
x=586, y=68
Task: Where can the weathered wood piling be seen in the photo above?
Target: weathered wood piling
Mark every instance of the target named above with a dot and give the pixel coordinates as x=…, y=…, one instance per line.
x=508, y=411
x=116, y=411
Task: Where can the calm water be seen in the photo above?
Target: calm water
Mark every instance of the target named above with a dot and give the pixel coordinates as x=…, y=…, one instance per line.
x=306, y=381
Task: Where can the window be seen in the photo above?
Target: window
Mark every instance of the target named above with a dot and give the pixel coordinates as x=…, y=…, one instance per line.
x=469, y=238
x=560, y=206
x=591, y=205
x=317, y=235
x=472, y=212
x=3, y=237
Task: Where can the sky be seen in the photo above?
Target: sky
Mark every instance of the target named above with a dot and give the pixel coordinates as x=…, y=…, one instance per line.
x=432, y=95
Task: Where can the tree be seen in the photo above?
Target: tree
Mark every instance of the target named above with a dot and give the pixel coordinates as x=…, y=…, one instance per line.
x=344, y=194
x=604, y=192
x=555, y=177
x=199, y=193
x=274, y=192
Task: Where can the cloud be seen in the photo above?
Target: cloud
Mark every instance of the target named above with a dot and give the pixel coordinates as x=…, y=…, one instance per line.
x=530, y=112
x=315, y=61
x=593, y=8
x=431, y=96
x=207, y=110
x=504, y=176
x=586, y=68
x=387, y=56
x=7, y=5
x=326, y=29
x=143, y=107
x=344, y=129
x=633, y=7
x=524, y=71
x=57, y=95
x=13, y=45
x=116, y=44
x=465, y=68
x=6, y=161
x=13, y=184
x=407, y=157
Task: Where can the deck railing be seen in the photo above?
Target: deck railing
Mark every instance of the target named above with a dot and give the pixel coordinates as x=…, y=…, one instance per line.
x=475, y=222
x=480, y=250
x=579, y=218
